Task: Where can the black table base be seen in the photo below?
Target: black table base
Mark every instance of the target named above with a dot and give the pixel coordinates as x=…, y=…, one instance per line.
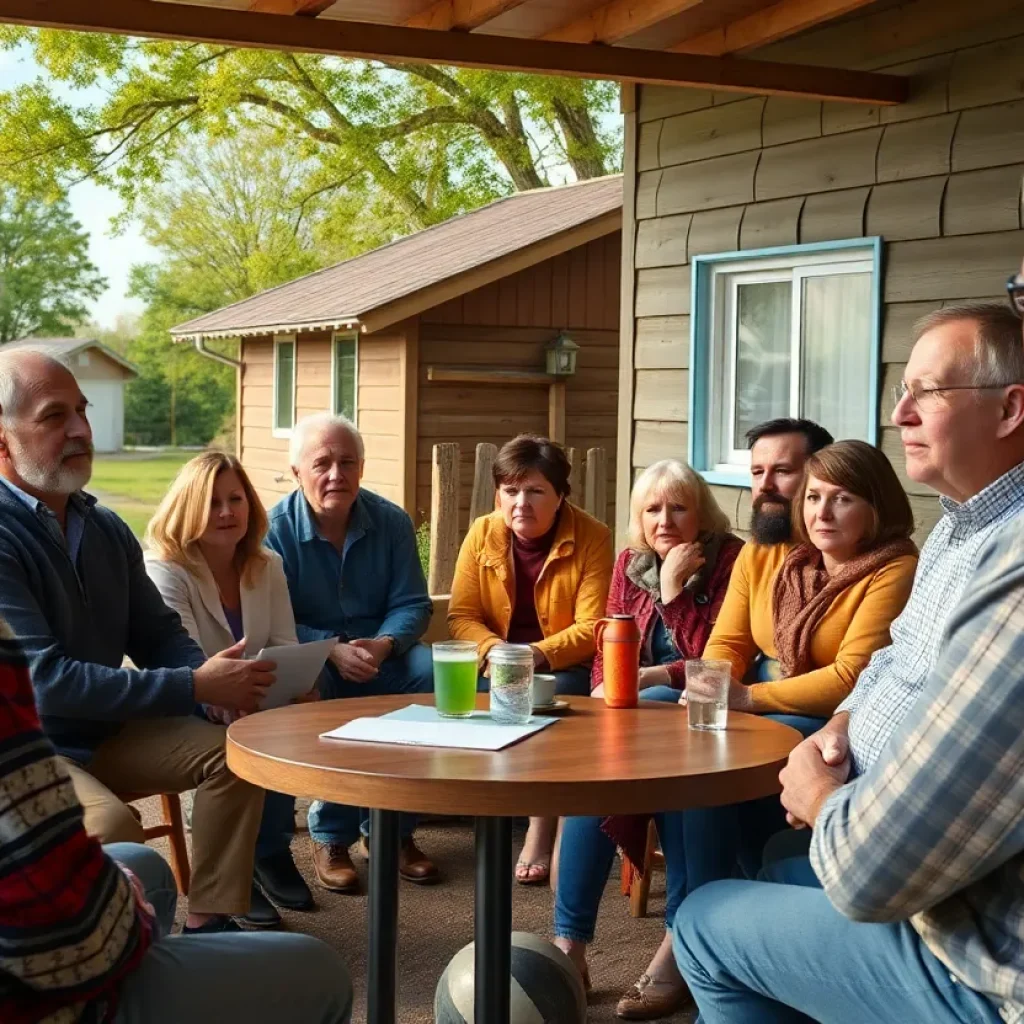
x=382, y=962
x=492, y=925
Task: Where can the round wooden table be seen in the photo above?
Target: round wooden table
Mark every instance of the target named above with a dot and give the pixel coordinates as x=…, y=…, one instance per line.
x=594, y=760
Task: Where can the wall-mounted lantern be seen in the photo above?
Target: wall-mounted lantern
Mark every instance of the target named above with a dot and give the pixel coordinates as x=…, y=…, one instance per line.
x=561, y=356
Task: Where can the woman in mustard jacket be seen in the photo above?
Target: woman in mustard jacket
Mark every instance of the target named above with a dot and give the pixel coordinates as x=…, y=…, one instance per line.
x=536, y=571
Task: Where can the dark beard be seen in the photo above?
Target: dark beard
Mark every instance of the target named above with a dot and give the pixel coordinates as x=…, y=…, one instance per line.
x=774, y=525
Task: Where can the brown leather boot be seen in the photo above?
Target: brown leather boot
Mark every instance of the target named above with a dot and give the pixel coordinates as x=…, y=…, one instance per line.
x=413, y=864
x=334, y=868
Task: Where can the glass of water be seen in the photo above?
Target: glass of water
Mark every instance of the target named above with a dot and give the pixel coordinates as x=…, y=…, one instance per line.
x=511, y=678
x=707, y=702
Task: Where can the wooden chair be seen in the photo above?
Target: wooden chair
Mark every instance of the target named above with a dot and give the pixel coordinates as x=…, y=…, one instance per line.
x=173, y=827
x=636, y=882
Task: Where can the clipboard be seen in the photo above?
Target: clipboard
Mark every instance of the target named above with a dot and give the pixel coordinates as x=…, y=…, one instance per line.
x=298, y=666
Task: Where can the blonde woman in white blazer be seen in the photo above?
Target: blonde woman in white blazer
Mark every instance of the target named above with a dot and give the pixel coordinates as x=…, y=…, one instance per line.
x=206, y=556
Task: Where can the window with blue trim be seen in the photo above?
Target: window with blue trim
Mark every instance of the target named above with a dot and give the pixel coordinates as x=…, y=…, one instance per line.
x=791, y=331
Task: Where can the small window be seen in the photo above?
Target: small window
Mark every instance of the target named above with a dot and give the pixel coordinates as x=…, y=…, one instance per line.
x=344, y=374
x=284, y=386
x=785, y=332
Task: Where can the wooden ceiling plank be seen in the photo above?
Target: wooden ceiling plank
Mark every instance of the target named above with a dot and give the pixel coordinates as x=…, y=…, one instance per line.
x=306, y=8
x=618, y=20
x=476, y=50
x=782, y=19
x=461, y=15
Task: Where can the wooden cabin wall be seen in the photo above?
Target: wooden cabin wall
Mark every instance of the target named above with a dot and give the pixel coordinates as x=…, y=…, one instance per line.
x=939, y=178
x=507, y=325
x=379, y=418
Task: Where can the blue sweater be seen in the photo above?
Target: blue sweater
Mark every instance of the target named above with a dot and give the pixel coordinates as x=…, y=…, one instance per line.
x=76, y=622
x=375, y=587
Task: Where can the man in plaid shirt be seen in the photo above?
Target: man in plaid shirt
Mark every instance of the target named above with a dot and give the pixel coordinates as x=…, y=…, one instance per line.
x=922, y=913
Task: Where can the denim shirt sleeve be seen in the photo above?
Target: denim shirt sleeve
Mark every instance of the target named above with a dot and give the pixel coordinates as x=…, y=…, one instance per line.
x=409, y=604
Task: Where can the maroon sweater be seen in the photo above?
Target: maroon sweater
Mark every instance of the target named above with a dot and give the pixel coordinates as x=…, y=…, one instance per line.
x=689, y=618
x=528, y=558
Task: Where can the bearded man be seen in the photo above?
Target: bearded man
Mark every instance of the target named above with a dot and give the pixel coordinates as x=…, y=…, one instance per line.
x=77, y=596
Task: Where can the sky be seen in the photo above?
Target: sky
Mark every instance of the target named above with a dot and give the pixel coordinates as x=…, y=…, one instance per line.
x=93, y=207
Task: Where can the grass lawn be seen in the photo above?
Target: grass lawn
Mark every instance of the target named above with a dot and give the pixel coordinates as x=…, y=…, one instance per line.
x=132, y=483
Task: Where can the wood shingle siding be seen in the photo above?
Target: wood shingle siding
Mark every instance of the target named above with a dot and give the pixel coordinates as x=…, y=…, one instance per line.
x=507, y=325
x=938, y=178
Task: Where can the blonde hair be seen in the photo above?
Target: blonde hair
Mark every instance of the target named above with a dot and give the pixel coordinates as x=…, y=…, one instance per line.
x=182, y=517
x=677, y=481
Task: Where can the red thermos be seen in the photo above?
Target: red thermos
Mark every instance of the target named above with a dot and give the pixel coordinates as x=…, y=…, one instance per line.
x=619, y=639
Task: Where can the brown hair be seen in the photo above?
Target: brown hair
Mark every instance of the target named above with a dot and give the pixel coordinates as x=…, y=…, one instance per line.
x=182, y=517
x=529, y=453
x=863, y=470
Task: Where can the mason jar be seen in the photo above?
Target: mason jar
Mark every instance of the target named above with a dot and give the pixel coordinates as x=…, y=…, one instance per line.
x=511, y=667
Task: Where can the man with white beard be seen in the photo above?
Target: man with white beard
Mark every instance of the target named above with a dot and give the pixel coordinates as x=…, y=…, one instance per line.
x=76, y=594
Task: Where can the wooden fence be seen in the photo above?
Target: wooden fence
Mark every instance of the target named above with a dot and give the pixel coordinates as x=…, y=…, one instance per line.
x=588, y=482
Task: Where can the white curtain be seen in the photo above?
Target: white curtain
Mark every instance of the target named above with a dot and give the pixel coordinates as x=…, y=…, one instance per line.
x=763, y=314
x=836, y=336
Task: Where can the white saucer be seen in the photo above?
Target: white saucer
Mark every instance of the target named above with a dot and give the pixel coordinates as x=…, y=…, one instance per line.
x=554, y=706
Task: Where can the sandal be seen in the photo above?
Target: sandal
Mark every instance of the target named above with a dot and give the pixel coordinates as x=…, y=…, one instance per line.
x=652, y=1000
x=525, y=871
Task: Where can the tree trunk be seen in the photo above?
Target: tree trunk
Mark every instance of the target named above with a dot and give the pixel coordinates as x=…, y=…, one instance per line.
x=582, y=145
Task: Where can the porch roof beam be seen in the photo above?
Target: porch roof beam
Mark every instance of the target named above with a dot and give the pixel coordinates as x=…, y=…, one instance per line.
x=618, y=20
x=782, y=19
x=461, y=15
x=478, y=50
x=303, y=8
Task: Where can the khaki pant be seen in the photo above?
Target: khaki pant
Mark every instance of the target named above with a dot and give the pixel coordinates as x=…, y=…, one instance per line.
x=174, y=755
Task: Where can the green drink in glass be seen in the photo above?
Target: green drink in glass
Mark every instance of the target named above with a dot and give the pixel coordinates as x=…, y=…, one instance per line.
x=455, y=674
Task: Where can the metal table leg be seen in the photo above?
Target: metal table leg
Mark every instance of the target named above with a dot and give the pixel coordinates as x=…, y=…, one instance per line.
x=382, y=968
x=493, y=925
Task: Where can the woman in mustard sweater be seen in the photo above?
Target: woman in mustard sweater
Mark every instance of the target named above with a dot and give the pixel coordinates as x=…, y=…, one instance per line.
x=800, y=621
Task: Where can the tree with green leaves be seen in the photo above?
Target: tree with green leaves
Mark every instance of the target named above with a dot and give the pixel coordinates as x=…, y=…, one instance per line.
x=46, y=276
x=231, y=220
x=414, y=144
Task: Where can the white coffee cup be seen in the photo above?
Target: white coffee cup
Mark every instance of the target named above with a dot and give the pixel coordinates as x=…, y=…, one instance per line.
x=542, y=692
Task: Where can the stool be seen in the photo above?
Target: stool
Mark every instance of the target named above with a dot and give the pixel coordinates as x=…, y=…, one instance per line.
x=173, y=827
x=636, y=881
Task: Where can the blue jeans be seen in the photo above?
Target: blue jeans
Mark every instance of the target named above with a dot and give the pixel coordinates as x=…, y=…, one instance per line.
x=574, y=681
x=692, y=858
x=759, y=820
x=786, y=860
x=412, y=672
x=261, y=978
x=665, y=694
x=781, y=954
x=339, y=823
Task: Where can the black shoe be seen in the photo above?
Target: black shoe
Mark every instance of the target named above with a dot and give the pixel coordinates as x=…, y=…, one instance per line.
x=262, y=913
x=281, y=882
x=214, y=926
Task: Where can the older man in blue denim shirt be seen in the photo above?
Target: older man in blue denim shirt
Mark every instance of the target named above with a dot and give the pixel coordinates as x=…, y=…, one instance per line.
x=353, y=572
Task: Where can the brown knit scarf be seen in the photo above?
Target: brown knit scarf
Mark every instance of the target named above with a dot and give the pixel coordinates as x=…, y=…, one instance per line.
x=804, y=592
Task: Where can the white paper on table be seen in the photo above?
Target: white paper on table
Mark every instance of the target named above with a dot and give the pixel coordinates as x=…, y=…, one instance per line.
x=422, y=726
x=298, y=666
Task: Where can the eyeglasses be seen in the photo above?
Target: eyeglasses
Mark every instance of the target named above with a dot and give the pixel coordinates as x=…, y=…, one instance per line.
x=1015, y=291
x=924, y=398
